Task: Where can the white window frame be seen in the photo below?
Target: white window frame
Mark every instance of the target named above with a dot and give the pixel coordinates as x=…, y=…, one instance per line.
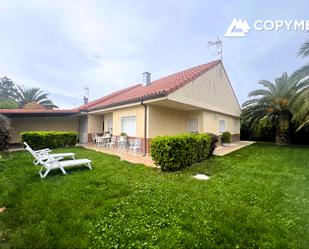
x=222, y=121
x=133, y=134
x=188, y=125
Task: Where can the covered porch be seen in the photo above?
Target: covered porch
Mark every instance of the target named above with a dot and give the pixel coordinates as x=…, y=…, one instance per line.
x=117, y=130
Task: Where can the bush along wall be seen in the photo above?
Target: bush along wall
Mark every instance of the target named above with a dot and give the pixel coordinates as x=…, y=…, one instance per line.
x=4, y=132
x=176, y=152
x=49, y=139
x=226, y=137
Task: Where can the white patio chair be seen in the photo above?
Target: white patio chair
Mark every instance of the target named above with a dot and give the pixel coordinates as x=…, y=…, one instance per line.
x=94, y=138
x=54, y=163
x=135, y=145
x=112, y=142
x=100, y=141
x=122, y=143
x=45, y=153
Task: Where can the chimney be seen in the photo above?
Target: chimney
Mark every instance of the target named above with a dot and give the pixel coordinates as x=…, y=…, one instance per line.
x=146, y=78
x=85, y=100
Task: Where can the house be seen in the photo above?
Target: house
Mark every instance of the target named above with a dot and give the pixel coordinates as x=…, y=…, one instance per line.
x=199, y=99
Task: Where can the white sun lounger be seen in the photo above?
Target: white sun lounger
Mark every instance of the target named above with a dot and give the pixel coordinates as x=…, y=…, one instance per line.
x=55, y=163
x=45, y=154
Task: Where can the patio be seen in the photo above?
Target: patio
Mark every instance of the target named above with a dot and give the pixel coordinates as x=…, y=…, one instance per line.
x=124, y=154
x=222, y=151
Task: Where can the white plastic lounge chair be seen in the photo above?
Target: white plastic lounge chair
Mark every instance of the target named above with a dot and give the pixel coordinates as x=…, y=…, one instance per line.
x=45, y=153
x=55, y=163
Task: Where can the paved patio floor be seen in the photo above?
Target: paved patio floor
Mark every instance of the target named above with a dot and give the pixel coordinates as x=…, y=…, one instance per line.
x=222, y=151
x=146, y=160
x=124, y=155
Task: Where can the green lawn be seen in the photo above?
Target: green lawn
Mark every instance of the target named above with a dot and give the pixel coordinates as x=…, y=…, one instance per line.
x=257, y=197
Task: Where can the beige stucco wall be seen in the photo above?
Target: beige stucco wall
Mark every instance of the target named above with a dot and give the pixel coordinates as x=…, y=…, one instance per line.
x=95, y=123
x=168, y=121
x=137, y=111
x=211, y=123
x=211, y=91
x=41, y=124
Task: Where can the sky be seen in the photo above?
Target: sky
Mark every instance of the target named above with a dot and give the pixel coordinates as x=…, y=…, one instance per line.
x=64, y=46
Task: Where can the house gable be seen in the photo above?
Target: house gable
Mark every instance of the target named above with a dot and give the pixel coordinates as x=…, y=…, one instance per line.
x=212, y=91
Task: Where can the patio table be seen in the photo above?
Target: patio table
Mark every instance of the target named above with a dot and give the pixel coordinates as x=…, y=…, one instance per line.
x=103, y=140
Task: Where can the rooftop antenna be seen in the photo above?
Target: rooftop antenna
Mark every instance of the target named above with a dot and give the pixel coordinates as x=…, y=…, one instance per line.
x=86, y=95
x=218, y=44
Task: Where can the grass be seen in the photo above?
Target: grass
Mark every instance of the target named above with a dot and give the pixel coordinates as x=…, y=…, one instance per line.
x=257, y=197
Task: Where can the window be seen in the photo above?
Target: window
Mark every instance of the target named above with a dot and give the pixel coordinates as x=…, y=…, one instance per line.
x=221, y=125
x=110, y=126
x=128, y=125
x=192, y=125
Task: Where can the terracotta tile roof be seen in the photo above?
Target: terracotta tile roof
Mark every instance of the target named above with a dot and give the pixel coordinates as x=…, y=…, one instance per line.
x=157, y=88
x=107, y=97
x=160, y=87
x=33, y=111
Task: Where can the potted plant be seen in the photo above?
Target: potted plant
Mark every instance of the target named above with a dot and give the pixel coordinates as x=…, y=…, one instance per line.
x=123, y=136
x=226, y=138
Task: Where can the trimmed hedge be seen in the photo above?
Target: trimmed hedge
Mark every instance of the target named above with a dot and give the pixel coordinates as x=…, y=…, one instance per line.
x=49, y=139
x=176, y=152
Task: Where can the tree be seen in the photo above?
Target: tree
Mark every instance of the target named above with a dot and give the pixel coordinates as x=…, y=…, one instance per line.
x=4, y=132
x=32, y=95
x=275, y=102
x=304, y=49
x=7, y=88
x=301, y=101
x=8, y=104
x=300, y=107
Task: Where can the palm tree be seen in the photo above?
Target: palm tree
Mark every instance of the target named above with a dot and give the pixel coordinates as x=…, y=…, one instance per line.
x=301, y=102
x=276, y=102
x=32, y=95
x=300, y=108
x=304, y=49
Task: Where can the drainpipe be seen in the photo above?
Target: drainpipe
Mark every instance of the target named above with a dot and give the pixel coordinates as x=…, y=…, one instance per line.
x=145, y=127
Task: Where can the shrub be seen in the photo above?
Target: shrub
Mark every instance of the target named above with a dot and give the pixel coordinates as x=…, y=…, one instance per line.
x=213, y=141
x=226, y=137
x=4, y=132
x=8, y=104
x=49, y=139
x=176, y=152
